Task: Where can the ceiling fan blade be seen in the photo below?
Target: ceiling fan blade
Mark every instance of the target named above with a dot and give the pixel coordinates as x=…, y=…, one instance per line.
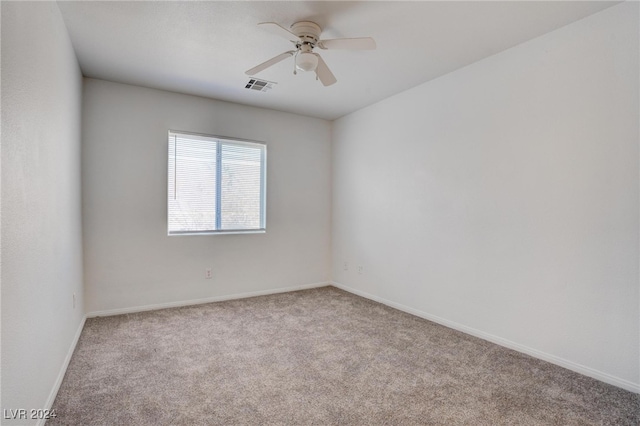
x=324, y=73
x=270, y=62
x=278, y=30
x=362, y=43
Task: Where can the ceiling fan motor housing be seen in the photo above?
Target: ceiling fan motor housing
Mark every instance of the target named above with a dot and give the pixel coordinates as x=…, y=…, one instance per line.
x=307, y=31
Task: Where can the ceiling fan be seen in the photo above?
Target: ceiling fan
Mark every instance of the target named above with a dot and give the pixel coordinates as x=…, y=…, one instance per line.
x=305, y=35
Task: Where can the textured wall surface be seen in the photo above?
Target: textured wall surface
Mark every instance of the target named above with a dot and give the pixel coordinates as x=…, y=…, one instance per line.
x=41, y=219
x=129, y=259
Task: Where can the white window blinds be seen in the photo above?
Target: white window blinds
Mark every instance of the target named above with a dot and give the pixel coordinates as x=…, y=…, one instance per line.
x=215, y=185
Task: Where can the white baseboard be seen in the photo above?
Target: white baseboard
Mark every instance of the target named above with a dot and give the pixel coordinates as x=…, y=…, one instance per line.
x=63, y=370
x=587, y=371
x=134, y=309
x=578, y=368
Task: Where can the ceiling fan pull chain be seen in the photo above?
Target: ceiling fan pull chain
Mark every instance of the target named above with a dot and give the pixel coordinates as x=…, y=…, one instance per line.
x=294, y=62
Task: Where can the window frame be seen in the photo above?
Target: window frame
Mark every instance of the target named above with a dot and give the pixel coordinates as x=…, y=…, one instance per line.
x=263, y=182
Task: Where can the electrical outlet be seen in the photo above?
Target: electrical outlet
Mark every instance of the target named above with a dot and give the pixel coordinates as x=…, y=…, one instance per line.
x=345, y=266
x=74, y=300
x=360, y=269
x=207, y=273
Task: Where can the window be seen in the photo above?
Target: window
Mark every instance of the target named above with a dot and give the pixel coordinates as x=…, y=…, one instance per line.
x=216, y=185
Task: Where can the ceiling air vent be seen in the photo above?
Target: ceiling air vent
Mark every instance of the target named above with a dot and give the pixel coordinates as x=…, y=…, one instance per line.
x=259, y=85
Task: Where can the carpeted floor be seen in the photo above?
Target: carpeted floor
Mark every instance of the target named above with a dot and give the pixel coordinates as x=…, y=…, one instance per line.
x=321, y=357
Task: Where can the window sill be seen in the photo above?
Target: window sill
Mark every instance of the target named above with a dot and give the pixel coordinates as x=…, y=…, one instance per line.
x=230, y=232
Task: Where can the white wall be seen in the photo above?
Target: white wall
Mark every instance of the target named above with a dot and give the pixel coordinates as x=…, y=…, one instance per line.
x=502, y=198
x=129, y=259
x=41, y=220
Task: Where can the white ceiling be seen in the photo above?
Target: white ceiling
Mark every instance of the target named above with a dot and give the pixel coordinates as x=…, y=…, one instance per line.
x=203, y=48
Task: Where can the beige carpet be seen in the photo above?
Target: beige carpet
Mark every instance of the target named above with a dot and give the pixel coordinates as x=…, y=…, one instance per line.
x=315, y=357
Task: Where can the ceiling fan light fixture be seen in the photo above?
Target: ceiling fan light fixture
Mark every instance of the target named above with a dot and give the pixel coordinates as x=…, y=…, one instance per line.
x=306, y=61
